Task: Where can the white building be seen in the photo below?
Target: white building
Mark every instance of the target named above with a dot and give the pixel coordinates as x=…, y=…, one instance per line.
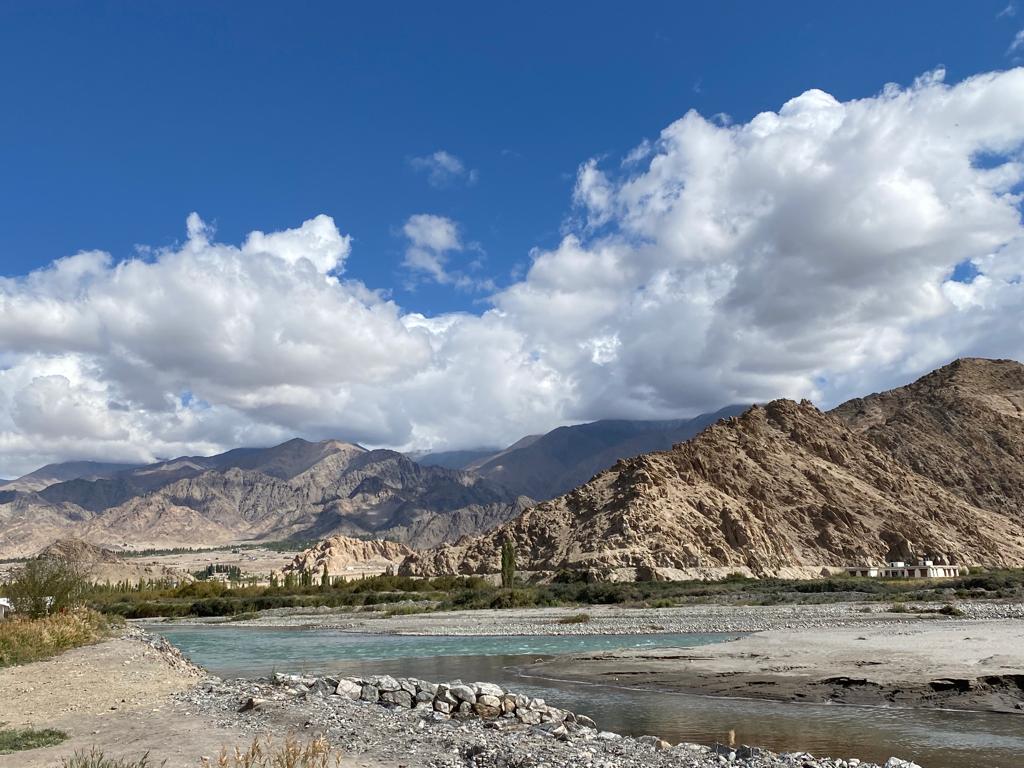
x=5, y=607
x=923, y=569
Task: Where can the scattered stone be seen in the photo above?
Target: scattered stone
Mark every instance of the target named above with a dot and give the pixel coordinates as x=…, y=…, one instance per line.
x=459, y=725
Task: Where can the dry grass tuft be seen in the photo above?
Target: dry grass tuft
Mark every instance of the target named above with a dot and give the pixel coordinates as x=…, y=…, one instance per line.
x=95, y=758
x=291, y=753
x=23, y=640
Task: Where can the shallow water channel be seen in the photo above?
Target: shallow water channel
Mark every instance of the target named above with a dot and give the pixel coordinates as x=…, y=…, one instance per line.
x=935, y=739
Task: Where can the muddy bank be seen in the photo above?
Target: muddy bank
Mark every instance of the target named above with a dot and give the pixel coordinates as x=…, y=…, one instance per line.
x=938, y=663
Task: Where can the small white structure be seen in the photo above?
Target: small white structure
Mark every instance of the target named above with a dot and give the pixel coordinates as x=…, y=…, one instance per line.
x=923, y=569
x=5, y=607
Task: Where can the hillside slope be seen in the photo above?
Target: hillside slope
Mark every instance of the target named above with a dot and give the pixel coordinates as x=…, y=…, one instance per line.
x=962, y=426
x=785, y=485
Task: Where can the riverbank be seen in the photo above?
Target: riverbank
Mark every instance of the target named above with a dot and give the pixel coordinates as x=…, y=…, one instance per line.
x=618, y=620
x=940, y=663
x=480, y=737
x=135, y=694
x=116, y=694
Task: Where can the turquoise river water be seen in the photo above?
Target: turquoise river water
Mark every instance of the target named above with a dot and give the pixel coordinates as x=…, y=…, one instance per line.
x=935, y=739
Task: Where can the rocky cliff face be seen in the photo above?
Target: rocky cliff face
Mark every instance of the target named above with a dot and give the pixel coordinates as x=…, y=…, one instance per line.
x=298, y=489
x=344, y=556
x=786, y=485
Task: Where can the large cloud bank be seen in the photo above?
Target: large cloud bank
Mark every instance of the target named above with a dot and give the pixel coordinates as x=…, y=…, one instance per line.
x=821, y=251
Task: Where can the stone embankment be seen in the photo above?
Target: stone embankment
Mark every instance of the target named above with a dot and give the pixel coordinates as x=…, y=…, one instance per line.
x=465, y=725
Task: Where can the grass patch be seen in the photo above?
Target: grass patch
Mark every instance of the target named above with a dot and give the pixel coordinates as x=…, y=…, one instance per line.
x=265, y=753
x=24, y=640
x=576, y=618
x=20, y=739
x=95, y=758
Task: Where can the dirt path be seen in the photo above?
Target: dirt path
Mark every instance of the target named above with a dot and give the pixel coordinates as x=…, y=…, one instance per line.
x=936, y=663
x=118, y=696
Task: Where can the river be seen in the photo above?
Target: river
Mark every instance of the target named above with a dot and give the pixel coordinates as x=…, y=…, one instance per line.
x=935, y=739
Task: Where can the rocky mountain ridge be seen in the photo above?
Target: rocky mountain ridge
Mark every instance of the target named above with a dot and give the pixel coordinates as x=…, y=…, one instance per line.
x=545, y=466
x=784, y=485
x=297, y=489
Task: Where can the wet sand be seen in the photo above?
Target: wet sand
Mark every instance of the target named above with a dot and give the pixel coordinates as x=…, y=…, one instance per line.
x=974, y=665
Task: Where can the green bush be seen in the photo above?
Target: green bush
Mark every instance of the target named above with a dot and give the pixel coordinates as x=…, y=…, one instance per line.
x=45, y=585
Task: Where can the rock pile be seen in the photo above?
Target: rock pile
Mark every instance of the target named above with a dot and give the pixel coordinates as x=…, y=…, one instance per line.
x=386, y=732
x=456, y=699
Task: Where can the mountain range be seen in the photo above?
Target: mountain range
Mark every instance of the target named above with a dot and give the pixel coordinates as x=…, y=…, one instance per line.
x=545, y=466
x=297, y=489
x=936, y=467
x=308, y=490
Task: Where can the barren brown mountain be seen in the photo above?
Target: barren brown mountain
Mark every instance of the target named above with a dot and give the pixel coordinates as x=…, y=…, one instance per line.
x=785, y=485
x=962, y=426
x=297, y=489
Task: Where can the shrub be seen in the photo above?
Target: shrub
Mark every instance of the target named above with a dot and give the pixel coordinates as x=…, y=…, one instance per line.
x=23, y=640
x=950, y=610
x=16, y=740
x=45, y=585
x=316, y=753
x=95, y=758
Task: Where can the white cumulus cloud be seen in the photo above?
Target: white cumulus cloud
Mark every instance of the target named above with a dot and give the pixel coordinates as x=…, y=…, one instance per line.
x=806, y=252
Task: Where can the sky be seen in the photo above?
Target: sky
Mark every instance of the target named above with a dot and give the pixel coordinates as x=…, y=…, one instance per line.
x=449, y=225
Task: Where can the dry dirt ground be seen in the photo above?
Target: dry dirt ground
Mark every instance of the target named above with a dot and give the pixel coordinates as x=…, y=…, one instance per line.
x=118, y=696
x=254, y=561
x=933, y=663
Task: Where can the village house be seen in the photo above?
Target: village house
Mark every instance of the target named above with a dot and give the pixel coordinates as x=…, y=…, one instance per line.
x=923, y=569
x=5, y=607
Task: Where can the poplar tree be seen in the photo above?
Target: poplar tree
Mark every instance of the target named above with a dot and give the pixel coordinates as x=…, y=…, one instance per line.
x=508, y=565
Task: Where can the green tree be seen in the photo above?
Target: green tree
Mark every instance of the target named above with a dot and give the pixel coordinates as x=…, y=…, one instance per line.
x=325, y=579
x=508, y=564
x=46, y=585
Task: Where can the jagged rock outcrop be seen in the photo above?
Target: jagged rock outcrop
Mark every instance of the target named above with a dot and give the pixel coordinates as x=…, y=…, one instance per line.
x=297, y=489
x=786, y=485
x=345, y=556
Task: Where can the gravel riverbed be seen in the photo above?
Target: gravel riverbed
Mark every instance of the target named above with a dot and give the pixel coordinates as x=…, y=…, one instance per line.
x=617, y=620
x=421, y=736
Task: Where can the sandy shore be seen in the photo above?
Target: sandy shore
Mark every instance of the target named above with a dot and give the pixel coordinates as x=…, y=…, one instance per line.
x=122, y=697
x=923, y=663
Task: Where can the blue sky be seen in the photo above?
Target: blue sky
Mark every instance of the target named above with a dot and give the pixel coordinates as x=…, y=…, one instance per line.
x=411, y=225
x=119, y=119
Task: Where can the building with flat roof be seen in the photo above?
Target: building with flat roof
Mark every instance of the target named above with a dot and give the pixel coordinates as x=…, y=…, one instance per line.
x=897, y=569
